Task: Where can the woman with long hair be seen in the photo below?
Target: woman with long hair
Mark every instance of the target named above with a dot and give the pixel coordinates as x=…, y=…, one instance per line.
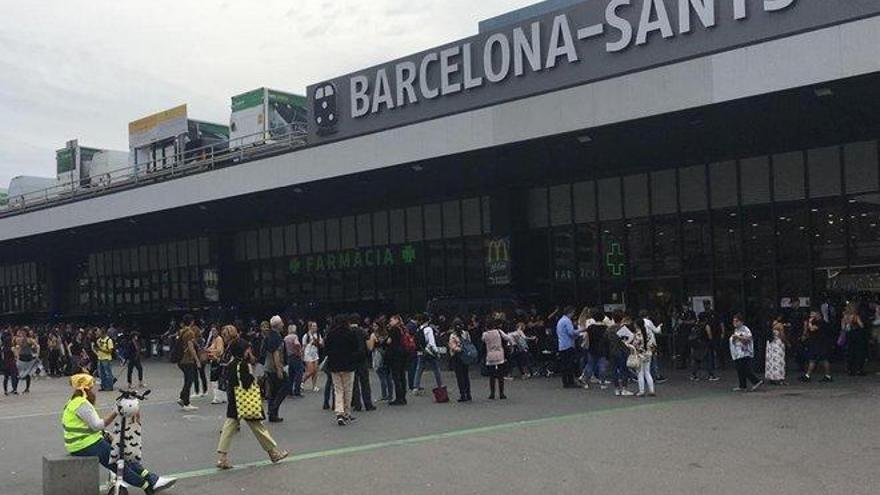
x=496, y=360
x=397, y=359
x=856, y=340
x=240, y=375
x=26, y=351
x=644, y=345
x=457, y=339
x=312, y=343
x=774, y=369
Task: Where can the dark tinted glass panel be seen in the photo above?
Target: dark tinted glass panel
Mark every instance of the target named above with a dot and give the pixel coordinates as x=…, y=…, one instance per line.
x=663, y=193
x=277, y=242
x=365, y=230
x=290, y=246
x=304, y=238
x=584, y=202
x=865, y=228
x=861, y=167
x=692, y=184
x=792, y=222
x=635, y=190
x=667, y=245
x=640, y=247
x=414, y=224
x=265, y=243
x=760, y=237
x=564, y=265
x=486, y=214
x=586, y=245
x=560, y=205
x=455, y=266
x=470, y=215
x=192, y=252
x=433, y=221
x=380, y=228
x=728, y=240
x=319, y=241
x=398, y=227
x=696, y=242
x=723, y=184
x=788, y=176
x=334, y=236
x=537, y=206
x=452, y=219
x=829, y=235
x=755, y=179
x=824, y=166
x=349, y=236
x=610, y=201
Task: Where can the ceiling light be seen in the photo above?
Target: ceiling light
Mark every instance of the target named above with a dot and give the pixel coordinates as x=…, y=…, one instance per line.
x=584, y=139
x=417, y=168
x=297, y=190
x=823, y=92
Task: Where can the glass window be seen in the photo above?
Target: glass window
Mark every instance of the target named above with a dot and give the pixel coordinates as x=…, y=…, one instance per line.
x=134, y=260
x=824, y=166
x=586, y=245
x=364, y=230
x=560, y=205
x=667, y=259
x=755, y=175
x=162, y=255
x=265, y=243
x=319, y=238
x=470, y=216
x=564, y=264
x=728, y=240
x=451, y=219
x=304, y=238
x=585, y=202
x=252, y=244
x=277, y=242
x=204, y=251
x=398, y=227
x=474, y=265
x=860, y=164
x=640, y=246
x=486, y=215
x=380, y=228
x=663, y=193
x=192, y=252
x=537, y=207
x=333, y=235
x=635, y=190
x=864, y=227
x=349, y=233
x=610, y=201
x=696, y=242
x=290, y=247
x=99, y=266
x=788, y=176
x=435, y=264
x=692, y=184
x=455, y=266
x=614, y=260
x=760, y=236
x=173, y=262
x=414, y=224
x=433, y=221
x=829, y=234
x=723, y=184
x=793, y=235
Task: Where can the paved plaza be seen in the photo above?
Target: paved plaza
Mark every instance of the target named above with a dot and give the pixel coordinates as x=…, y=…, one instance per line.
x=692, y=438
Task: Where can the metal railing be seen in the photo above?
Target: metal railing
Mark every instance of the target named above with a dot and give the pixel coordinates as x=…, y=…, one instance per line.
x=189, y=162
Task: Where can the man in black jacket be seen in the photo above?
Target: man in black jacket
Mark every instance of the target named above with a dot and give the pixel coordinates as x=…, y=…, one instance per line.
x=343, y=355
x=361, y=394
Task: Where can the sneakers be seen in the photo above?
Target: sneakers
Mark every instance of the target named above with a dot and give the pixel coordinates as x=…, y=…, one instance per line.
x=757, y=385
x=161, y=484
x=694, y=378
x=617, y=393
x=713, y=378
x=737, y=389
x=217, y=401
x=189, y=408
x=826, y=379
x=340, y=420
x=662, y=379
x=805, y=378
x=626, y=393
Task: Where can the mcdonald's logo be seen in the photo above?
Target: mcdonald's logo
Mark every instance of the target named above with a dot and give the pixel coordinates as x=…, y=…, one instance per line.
x=498, y=251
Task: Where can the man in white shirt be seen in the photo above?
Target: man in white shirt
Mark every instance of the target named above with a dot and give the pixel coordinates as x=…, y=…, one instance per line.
x=742, y=350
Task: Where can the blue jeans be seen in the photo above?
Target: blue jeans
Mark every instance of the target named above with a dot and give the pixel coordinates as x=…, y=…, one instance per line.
x=105, y=370
x=387, y=387
x=596, y=366
x=621, y=371
x=424, y=362
x=411, y=371
x=296, y=369
x=134, y=474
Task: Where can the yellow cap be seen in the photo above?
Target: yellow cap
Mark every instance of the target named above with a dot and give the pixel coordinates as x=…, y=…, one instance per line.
x=82, y=382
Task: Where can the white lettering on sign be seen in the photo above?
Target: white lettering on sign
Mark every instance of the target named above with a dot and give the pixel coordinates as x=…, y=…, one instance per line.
x=523, y=52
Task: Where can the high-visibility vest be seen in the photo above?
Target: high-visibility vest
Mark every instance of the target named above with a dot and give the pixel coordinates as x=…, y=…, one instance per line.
x=77, y=433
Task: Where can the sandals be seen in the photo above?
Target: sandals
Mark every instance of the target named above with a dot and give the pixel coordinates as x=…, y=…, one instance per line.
x=278, y=455
x=224, y=464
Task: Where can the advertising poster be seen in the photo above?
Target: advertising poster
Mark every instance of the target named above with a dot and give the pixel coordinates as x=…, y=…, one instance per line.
x=498, y=270
x=163, y=125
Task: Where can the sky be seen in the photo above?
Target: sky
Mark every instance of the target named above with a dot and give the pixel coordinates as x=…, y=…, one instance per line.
x=84, y=69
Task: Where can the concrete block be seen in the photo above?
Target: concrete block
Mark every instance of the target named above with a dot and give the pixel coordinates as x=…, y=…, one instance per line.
x=69, y=475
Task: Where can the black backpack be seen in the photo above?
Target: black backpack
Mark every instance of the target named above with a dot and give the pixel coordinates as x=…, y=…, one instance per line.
x=176, y=349
x=421, y=341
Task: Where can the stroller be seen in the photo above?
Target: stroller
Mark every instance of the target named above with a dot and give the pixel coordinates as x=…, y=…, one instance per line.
x=125, y=437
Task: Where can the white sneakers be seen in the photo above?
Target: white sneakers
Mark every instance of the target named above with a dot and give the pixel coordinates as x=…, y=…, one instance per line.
x=162, y=483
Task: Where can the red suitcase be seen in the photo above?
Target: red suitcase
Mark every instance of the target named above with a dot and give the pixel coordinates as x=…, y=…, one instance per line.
x=441, y=395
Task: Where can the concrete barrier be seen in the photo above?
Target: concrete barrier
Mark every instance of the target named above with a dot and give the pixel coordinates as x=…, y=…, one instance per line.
x=69, y=475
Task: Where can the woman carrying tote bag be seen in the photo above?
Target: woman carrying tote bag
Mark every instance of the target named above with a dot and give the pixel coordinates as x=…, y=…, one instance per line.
x=244, y=404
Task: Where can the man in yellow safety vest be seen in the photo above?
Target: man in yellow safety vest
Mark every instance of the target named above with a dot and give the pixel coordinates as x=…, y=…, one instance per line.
x=83, y=436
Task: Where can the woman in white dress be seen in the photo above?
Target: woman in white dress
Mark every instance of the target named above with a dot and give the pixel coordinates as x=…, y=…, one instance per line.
x=311, y=342
x=775, y=365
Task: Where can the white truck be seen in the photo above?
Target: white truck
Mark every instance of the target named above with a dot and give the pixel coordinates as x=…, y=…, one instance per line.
x=265, y=114
x=26, y=189
x=82, y=167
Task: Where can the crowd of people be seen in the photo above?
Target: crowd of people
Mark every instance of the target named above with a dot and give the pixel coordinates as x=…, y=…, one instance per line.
x=254, y=367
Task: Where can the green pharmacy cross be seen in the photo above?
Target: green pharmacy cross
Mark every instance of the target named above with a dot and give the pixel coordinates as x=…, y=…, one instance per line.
x=615, y=260
x=408, y=254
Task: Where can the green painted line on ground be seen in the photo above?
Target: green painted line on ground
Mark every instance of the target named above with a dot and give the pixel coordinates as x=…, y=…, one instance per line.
x=441, y=436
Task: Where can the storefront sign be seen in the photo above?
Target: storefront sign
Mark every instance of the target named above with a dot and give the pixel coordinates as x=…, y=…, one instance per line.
x=498, y=261
x=589, y=41
x=615, y=260
x=355, y=259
